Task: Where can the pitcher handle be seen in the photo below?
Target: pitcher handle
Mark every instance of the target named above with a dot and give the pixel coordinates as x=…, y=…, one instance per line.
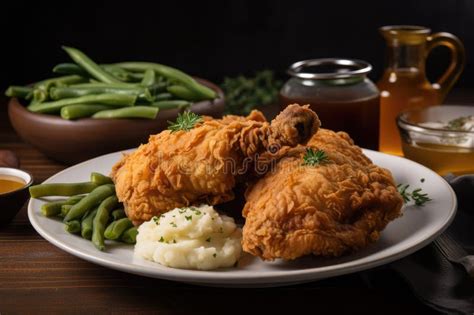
x=458, y=59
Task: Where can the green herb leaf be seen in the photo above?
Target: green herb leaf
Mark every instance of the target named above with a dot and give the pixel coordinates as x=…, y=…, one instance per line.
x=416, y=195
x=189, y=218
x=185, y=121
x=161, y=239
x=313, y=158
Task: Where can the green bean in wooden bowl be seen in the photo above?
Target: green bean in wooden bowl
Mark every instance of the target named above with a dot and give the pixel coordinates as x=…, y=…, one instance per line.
x=90, y=109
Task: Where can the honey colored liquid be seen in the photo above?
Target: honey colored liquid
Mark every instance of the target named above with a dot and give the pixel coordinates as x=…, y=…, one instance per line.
x=10, y=183
x=401, y=90
x=441, y=158
x=360, y=118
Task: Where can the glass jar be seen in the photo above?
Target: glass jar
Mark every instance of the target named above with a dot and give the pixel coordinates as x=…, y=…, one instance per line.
x=404, y=84
x=339, y=91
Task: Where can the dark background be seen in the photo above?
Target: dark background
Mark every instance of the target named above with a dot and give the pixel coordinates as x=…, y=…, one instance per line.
x=221, y=38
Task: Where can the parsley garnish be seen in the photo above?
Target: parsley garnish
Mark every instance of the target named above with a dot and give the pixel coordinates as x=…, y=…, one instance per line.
x=458, y=123
x=189, y=218
x=416, y=195
x=161, y=239
x=173, y=224
x=185, y=121
x=313, y=158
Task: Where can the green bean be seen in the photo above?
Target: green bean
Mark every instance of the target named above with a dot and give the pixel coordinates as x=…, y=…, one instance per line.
x=100, y=221
x=94, y=84
x=116, y=228
x=73, y=226
x=148, y=78
x=173, y=75
x=87, y=224
x=90, y=66
x=63, y=189
x=163, y=97
x=70, y=68
x=18, y=91
x=81, y=110
x=59, y=81
x=75, y=91
x=170, y=104
x=158, y=88
x=183, y=93
x=118, y=214
x=54, y=208
x=88, y=202
x=108, y=99
x=39, y=96
x=130, y=235
x=128, y=112
x=100, y=179
x=65, y=210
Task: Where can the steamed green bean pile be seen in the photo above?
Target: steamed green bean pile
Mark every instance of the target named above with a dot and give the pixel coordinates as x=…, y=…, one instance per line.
x=91, y=210
x=111, y=91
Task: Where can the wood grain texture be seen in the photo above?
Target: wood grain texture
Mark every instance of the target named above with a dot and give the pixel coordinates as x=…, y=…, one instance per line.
x=38, y=278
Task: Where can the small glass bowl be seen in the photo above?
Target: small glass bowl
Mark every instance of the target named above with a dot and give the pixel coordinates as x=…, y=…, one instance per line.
x=429, y=139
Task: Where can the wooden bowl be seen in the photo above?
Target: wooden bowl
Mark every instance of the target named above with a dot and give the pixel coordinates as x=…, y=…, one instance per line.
x=71, y=142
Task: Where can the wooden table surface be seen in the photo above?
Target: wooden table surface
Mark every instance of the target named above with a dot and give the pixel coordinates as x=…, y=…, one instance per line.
x=36, y=277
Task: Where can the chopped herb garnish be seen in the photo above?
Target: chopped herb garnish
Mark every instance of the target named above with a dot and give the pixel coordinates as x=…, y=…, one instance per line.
x=173, y=224
x=174, y=241
x=458, y=123
x=208, y=240
x=185, y=121
x=313, y=158
x=161, y=239
x=416, y=195
x=419, y=198
x=188, y=217
x=422, y=180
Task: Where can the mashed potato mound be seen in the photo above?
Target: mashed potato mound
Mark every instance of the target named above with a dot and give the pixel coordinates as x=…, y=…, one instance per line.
x=190, y=238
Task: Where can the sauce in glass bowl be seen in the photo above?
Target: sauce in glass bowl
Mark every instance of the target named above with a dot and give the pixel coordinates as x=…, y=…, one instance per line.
x=439, y=137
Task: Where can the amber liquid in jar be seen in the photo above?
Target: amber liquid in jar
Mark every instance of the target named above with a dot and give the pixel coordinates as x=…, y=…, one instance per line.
x=359, y=118
x=400, y=91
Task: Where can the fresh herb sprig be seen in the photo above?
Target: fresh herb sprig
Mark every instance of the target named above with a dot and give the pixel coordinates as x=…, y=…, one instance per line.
x=313, y=158
x=459, y=123
x=185, y=121
x=416, y=195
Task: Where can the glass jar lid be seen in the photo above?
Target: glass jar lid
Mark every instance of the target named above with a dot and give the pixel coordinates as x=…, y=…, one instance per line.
x=329, y=69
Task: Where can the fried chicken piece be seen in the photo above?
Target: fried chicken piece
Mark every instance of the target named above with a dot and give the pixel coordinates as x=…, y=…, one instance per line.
x=177, y=169
x=327, y=209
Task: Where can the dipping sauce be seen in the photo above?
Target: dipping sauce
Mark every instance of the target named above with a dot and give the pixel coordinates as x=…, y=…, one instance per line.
x=439, y=137
x=10, y=183
x=339, y=91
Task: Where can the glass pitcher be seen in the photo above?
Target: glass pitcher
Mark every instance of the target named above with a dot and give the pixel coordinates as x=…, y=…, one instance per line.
x=404, y=84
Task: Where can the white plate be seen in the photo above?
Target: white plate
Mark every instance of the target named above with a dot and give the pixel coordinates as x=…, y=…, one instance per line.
x=416, y=228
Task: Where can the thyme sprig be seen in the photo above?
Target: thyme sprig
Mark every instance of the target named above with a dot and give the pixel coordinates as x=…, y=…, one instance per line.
x=313, y=158
x=185, y=121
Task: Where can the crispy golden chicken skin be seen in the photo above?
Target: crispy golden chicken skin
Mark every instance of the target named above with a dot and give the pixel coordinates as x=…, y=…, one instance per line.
x=176, y=169
x=327, y=210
